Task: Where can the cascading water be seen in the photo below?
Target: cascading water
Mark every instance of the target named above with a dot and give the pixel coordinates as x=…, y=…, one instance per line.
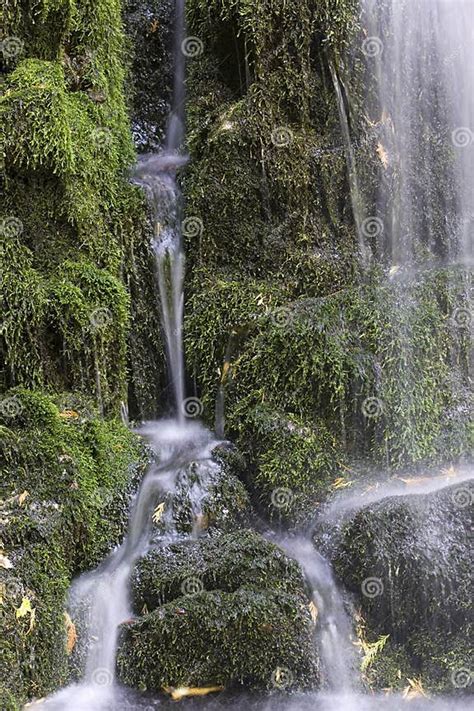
x=334, y=634
x=105, y=591
x=420, y=105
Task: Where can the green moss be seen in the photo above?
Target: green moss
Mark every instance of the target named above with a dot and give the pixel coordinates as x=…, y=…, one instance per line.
x=227, y=562
x=67, y=144
x=66, y=328
x=76, y=473
x=298, y=374
x=262, y=124
x=259, y=639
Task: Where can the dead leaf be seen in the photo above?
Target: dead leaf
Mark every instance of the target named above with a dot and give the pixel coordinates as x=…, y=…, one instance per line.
x=24, y=610
x=313, y=611
x=5, y=562
x=158, y=512
x=183, y=691
x=414, y=689
x=341, y=483
x=71, y=633
x=382, y=154
x=22, y=497
x=69, y=414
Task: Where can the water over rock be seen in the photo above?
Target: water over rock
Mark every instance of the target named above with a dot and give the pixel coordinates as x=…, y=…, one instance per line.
x=408, y=559
x=208, y=496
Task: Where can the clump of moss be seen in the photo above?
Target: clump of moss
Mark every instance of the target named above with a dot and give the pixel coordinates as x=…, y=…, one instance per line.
x=67, y=328
x=67, y=145
x=227, y=610
x=257, y=639
x=227, y=562
x=257, y=148
x=68, y=481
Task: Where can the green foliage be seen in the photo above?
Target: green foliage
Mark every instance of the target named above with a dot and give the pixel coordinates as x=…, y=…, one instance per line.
x=65, y=494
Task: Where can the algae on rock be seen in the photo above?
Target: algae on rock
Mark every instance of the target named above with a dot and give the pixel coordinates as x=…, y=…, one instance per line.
x=230, y=609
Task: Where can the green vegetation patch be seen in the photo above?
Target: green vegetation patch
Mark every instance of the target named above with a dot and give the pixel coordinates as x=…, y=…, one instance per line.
x=65, y=493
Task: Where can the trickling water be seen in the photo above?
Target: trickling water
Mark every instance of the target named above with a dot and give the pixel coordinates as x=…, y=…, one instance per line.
x=354, y=187
x=105, y=591
x=420, y=104
x=334, y=632
x=156, y=173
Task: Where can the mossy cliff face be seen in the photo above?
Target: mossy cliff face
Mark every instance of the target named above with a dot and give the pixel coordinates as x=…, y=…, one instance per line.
x=317, y=360
x=67, y=480
x=226, y=610
x=73, y=247
x=79, y=325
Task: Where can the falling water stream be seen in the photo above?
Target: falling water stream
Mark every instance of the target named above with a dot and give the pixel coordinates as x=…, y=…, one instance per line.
x=420, y=105
x=413, y=31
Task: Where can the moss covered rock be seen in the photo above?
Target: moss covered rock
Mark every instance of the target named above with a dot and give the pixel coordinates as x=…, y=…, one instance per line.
x=408, y=561
x=68, y=481
x=325, y=379
x=226, y=610
x=207, y=496
x=75, y=243
x=227, y=562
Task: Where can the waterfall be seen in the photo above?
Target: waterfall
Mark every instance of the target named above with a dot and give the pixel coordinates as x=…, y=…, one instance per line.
x=156, y=173
x=104, y=592
x=420, y=105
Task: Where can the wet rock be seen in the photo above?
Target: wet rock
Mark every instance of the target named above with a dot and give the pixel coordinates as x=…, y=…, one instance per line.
x=227, y=562
x=408, y=559
x=208, y=496
x=149, y=27
x=225, y=610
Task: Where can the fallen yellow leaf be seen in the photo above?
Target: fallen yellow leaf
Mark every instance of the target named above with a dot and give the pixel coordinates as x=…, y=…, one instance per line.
x=24, y=609
x=414, y=689
x=183, y=691
x=22, y=497
x=5, y=562
x=341, y=483
x=158, y=512
x=313, y=611
x=71, y=633
x=69, y=414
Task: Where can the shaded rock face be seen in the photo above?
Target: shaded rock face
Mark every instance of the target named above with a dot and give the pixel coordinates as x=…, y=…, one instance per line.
x=224, y=610
x=409, y=560
x=149, y=27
